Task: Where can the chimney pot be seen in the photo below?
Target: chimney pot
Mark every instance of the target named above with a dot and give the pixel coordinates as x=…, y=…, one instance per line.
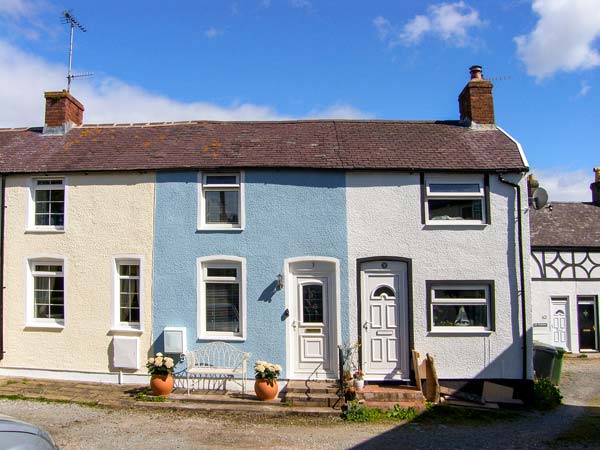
x=62, y=112
x=476, y=72
x=595, y=187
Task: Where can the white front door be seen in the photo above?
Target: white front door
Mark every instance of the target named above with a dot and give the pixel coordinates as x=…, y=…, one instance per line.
x=312, y=326
x=559, y=325
x=384, y=312
x=312, y=317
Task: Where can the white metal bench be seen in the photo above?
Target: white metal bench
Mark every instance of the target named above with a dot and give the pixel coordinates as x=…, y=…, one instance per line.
x=219, y=359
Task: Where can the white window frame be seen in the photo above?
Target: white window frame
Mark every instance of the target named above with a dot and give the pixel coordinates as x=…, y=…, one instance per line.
x=117, y=325
x=203, y=187
x=30, y=320
x=487, y=302
x=33, y=187
x=221, y=262
x=455, y=179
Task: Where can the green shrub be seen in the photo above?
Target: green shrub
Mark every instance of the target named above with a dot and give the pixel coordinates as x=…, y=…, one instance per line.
x=356, y=412
x=546, y=396
x=400, y=413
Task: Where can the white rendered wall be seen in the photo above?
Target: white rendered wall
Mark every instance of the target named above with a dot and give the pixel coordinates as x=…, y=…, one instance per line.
x=384, y=219
x=542, y=294
x=106, y=215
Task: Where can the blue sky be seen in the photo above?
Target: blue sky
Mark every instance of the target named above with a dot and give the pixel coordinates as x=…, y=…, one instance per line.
x=282, y=59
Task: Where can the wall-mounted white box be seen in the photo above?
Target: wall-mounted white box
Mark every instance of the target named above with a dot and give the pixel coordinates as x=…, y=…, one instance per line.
x=126, y=352
x=175, y=340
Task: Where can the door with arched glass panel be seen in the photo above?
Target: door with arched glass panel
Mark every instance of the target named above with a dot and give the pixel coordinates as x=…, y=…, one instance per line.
x=384, y=331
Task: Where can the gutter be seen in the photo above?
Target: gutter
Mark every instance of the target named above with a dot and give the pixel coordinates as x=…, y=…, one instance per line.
x=2, y=217
x=521, y=272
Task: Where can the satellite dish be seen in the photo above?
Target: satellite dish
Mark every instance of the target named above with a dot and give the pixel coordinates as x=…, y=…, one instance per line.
x=539, y=198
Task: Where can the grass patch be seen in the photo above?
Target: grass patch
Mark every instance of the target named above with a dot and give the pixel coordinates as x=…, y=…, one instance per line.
x=356, y=412
x=143, y=396
x=47, y=400
x=435, y=414
x=9, y=382
x=584, y=431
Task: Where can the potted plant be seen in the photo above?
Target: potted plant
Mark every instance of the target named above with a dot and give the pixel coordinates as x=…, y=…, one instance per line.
x=161, y=370
x=265, y=385
x=359, y=381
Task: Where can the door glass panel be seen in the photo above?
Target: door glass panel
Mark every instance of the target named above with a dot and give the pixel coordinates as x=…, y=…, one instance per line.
x=381, y=290
x=312, y=303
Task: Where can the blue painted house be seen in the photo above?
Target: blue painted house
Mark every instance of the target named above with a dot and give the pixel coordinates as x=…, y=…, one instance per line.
x=285, y=239
x=216, y=274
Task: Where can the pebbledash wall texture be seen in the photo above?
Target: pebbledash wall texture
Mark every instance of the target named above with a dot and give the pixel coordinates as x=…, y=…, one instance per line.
x=384, y=220
x=289, y=213
x=106, y=216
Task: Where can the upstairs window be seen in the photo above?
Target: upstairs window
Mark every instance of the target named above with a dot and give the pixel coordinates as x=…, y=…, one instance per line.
x=221, y=205
x=455, y=200
x=47, y=210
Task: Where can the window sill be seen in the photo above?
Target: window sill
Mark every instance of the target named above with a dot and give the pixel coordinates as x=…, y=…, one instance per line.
x=220, y=337
x=40, y=326
x=454, y=224
x=124, y=330
x=442, y=333
x=45, y=231
x=205, y=228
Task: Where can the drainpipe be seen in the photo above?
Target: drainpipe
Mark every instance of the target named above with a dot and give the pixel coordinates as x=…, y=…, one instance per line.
x=2, y=216
x=521, y=272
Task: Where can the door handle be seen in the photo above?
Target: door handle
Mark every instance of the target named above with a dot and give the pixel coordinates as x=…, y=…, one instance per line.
x=366, y=325
x=294, y=324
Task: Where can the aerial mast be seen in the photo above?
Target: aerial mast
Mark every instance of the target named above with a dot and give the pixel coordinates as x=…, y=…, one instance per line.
x=73, y=23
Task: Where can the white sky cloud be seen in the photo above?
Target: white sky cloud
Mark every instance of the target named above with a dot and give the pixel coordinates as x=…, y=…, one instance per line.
x=14, y=7
x=109, y=100
x=584, y=89
x=212, y=33
x=563, y=38
x=450, y=22
x=566, y=184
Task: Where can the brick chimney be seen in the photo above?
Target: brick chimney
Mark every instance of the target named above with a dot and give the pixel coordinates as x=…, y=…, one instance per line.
x=62, y=112
x=595, y=187
x=532, y=185
x=476, y=102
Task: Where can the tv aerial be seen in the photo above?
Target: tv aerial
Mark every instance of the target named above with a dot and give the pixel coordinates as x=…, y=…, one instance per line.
x=73, y=23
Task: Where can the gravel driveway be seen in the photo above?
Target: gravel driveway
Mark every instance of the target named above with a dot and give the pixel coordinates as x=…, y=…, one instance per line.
x=79, y=427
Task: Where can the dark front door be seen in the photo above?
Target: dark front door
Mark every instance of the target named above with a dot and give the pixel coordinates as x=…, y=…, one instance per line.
x=587, y=319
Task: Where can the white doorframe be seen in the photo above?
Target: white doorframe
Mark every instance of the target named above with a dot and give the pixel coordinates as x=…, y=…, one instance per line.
x=313, y=267
x=382, y=269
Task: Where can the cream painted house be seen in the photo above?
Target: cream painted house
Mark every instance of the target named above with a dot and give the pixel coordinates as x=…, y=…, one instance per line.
x=78, y=275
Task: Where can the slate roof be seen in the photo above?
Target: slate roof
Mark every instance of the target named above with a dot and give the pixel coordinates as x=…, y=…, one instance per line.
x=565, y=225
x=326, y=144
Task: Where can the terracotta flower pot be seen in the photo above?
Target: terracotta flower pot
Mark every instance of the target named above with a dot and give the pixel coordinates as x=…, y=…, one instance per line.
x=162, y=385
x=264, y=391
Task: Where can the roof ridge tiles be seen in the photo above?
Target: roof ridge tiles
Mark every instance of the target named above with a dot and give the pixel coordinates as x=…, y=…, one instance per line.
x=259, y=122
